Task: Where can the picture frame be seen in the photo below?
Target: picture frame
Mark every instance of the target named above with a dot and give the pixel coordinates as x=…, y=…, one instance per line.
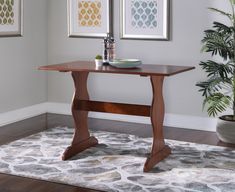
x=11, y=18
x=145, y=19
x=90, y=18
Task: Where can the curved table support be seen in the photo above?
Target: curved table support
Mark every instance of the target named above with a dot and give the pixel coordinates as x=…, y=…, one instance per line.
x=81, y=105
x=81, y=138
x=159, y=150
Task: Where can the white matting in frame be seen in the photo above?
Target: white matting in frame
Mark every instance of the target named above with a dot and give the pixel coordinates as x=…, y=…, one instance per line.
x=89, y=18
x=145, y=19
x=11, y=18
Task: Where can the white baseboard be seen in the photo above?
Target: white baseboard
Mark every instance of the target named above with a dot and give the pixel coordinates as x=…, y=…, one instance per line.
x=22, y=114
x=171, y=120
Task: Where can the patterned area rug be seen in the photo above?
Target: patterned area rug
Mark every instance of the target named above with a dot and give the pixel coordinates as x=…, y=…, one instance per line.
x=116, y=164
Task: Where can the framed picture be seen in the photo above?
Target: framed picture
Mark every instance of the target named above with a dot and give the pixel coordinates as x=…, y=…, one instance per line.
x=89, y=18
x=145, y=19
x=11, y=18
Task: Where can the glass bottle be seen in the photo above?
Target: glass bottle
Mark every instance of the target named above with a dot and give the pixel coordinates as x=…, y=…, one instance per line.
x=112, y=55
x=109, y=49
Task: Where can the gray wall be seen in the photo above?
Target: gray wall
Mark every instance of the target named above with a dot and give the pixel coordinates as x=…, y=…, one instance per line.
x=21, y=84
x=45, y=41
x=188, y=21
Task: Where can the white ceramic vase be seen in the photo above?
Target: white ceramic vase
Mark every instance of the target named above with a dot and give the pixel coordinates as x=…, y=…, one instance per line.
x=225, y=130
x=98, y=62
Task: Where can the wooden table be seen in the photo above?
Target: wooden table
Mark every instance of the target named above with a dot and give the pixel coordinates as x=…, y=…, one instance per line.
x=81, y=104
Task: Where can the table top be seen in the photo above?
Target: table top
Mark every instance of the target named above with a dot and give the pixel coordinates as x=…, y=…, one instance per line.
x=144, y=70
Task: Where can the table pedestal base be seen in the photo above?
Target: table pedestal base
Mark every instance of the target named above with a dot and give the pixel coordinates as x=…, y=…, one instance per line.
x=153, y=159
x=81, y=105
x=79, y=147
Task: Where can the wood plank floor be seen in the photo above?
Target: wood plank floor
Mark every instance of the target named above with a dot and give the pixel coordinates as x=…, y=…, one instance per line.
x=15, y=131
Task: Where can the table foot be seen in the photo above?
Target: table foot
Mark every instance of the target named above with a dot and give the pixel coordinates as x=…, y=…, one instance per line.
x=79, y=147
x=153, y=159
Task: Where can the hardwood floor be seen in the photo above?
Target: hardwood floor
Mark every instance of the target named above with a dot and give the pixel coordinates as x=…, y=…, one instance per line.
x=21, y=129
x=9, y=183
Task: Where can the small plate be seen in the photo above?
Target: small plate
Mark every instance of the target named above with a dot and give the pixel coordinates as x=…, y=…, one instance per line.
x=125, y=63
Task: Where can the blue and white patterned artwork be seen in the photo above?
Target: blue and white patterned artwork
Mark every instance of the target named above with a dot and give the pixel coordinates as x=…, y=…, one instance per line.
x=144, y=14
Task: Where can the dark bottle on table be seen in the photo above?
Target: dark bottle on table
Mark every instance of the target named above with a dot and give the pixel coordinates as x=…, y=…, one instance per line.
x=105, y=54
x=112, y=55
x=109, y=49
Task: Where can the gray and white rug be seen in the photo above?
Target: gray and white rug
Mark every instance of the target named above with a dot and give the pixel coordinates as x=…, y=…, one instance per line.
x=116, y=164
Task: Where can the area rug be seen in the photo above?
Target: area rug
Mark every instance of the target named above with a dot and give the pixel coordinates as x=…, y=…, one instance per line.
x=116, y=164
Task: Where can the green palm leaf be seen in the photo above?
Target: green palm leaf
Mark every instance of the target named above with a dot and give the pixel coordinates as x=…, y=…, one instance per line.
x=212, y=85
x=217, y=103
x=217, y=69
x=232, y=2
x=221, y=12
x=219, y=40
x=219, y=88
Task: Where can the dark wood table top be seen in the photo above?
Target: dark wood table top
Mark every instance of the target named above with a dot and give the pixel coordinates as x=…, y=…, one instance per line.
x=145, y=69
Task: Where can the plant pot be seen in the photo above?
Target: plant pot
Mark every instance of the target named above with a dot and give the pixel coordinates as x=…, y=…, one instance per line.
x=225, y=130
x=98, y=62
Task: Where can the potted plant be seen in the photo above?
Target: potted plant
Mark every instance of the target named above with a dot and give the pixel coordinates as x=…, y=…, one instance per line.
x=98, y=60
x=219, y=88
